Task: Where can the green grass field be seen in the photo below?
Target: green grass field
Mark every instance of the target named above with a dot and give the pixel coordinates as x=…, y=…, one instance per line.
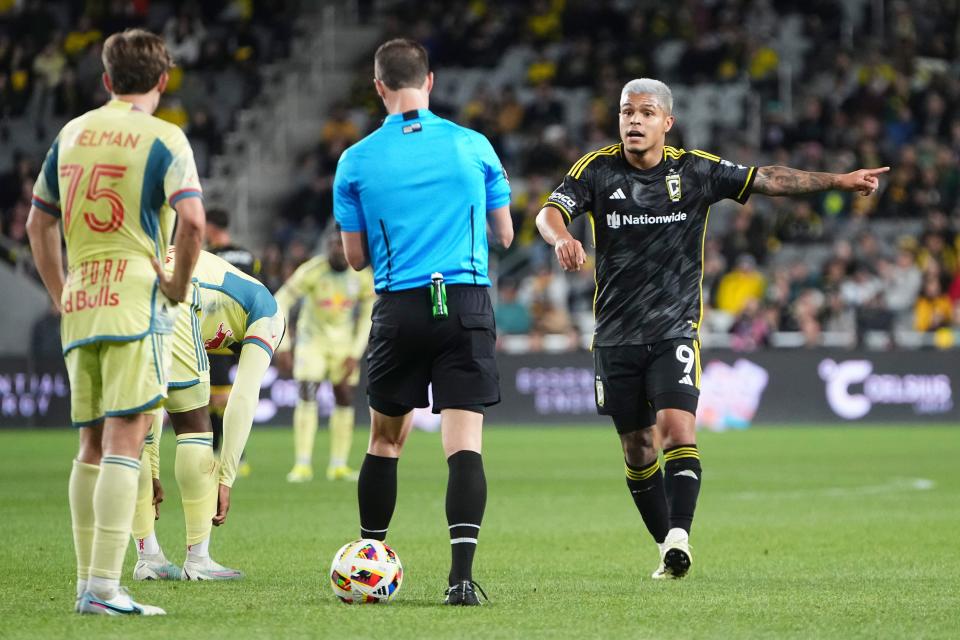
x=801, y=533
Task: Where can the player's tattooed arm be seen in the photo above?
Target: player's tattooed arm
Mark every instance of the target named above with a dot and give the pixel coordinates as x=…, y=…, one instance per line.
x=776, y=180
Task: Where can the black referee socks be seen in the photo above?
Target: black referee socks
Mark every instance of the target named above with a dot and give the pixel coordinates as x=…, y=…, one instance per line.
x=377, y=495
x=466, y=501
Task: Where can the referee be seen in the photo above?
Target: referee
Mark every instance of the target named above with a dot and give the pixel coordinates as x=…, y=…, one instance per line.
x=414, y=199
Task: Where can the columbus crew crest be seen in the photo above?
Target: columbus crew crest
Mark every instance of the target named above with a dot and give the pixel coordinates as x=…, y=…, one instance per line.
x=600, y=399
x=673, y=187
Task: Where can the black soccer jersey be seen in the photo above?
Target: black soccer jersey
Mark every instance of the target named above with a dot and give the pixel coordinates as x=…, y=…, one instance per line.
x=238, y=257
x=649, y=228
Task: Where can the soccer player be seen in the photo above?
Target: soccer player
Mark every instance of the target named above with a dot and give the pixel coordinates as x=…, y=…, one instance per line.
x=229, y=309
x=113, y=177
x=331, y=336
x=648, y=206
x=418, y=194
x=220, y=243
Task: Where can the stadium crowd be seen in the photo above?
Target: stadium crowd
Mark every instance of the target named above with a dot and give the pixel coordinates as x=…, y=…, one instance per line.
x=546, y=77
x=50, y=72
x=831, y=263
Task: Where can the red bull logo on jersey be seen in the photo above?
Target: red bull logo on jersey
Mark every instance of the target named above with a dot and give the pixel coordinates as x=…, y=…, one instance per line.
x=217, y=341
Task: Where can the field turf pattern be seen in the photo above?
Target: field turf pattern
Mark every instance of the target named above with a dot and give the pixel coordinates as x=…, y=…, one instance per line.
x=802, y=532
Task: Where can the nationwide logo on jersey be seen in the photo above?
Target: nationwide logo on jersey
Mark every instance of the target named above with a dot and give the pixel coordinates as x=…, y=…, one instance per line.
x=673, y=186
x=616, y=220
x=217, y=341
x=618, y=195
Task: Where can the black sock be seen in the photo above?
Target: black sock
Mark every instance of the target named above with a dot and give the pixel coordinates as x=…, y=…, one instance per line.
x=683, y=475
x=216, y=421
x=377, y=495
x=466, y=500
x=646, y=487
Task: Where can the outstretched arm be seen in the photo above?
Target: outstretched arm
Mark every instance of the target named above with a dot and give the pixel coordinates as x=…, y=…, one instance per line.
x=784, y=181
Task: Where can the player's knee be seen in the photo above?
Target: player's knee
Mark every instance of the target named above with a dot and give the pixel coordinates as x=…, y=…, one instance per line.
x=676, y=416
x=387, y=442
x=193, y=421
x=638, y=446
x=91, y=446
x=307, y=390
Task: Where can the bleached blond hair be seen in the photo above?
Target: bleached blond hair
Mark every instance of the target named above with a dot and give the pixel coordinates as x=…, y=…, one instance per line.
x=657, y=89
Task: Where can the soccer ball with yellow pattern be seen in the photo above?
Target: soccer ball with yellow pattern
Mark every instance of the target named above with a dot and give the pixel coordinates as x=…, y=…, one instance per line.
x=366, y=572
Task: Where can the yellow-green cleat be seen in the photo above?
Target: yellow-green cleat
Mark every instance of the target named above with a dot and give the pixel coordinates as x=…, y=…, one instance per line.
x=342, y=472
x=300, y=473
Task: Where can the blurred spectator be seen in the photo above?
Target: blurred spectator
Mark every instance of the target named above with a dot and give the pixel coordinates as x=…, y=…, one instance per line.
x=901, y=283
x=933, y=309
x=740, y=286
x=339, y=130
x=797, y=222
x=513, y=317
x=748, y=234
x=752, y=327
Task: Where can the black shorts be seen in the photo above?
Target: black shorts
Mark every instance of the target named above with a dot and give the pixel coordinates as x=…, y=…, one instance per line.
x=409, y=350
x=633, y=382
x=220, y=365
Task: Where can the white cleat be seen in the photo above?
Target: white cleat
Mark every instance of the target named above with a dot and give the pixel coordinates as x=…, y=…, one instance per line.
x=675, y=558
x=119, y=605
x=208, y=569
x=155, y=567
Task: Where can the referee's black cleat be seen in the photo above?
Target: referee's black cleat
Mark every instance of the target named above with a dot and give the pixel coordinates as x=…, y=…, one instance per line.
x=463, y=594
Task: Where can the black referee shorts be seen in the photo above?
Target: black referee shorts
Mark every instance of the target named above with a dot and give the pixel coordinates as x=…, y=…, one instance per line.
x=409, y=349
x=633, y=382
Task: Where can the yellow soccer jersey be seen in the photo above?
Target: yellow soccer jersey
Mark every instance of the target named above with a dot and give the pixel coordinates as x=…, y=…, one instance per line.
x=231, y=302
x=113, y=176
x=336, y=305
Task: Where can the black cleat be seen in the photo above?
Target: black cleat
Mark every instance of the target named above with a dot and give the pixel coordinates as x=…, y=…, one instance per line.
x=676, y=562
x=463, y=594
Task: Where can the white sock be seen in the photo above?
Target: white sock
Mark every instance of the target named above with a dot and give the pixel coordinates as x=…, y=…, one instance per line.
x=148, y=546
x=337, y=462
x=81, y=587
x=199, y=551
x=304, y=460
x=103, y=588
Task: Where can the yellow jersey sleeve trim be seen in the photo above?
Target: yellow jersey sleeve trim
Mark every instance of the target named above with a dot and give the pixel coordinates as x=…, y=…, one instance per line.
x=747, y=181
x=612, y=150
x=581, y=164
x=705, y=155
x=672, y=152
x=562, y=210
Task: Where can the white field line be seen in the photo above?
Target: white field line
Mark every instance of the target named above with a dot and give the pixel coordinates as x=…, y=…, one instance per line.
x=896, y=484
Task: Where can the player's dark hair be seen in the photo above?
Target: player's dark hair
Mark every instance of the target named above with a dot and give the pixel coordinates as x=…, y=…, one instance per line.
x=218, y=218
x=401, y=64
x=134, y=60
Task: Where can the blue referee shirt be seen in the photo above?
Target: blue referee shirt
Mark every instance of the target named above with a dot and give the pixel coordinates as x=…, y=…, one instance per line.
x=420, y=187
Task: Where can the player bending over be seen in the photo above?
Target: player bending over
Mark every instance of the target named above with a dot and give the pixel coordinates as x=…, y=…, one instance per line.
x=649, y=205
x=230, y=309
x=221, y=244
x=331, y=336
